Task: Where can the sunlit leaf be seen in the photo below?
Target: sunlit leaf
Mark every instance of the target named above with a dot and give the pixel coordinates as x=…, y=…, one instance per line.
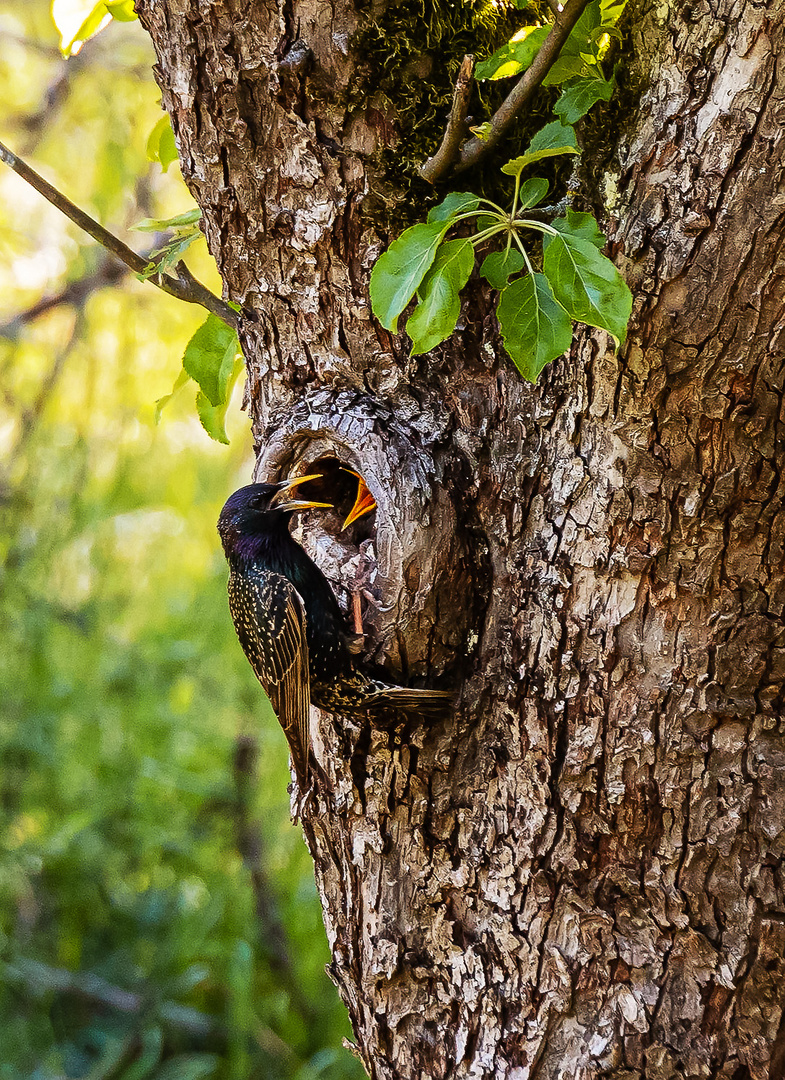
x=213, y=417
x=209, y=358
x=77, y=21
x=535, y=327
x=399, y=271
x=160, y=145
x=190, y=217
x=498, y=267
x=162, y=402
x=437, y=312
x=553, y=140
x=514, y=57
x=122, y=10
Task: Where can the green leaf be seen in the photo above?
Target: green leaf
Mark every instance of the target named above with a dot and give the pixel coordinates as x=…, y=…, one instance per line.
x=499, y=266
x=162, y=402
x=436, y=314
x=565, y=68
x=553, y=140
x=536, y=329
x=532, y=192
x=160, y=145
x=190, y=217
x=457, y=202
x=213, y=417
x=209, y=358
x=514, y=57
x=587, y=284
x=122, y=10
x=487, y=221
x=578, y=96
x=582, y=225
x=78, y=21
x=399, y=271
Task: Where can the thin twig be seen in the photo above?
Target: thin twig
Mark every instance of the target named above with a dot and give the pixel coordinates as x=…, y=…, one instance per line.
x=444, y=158
x=40, y=978
x=76, y=292
x=184, y=286
x=476, y=149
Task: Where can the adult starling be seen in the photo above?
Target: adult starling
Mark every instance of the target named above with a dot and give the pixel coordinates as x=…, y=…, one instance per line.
x=290, y=625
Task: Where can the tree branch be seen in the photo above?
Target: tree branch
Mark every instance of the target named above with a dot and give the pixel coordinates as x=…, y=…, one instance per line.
x=443, y=160
x=476, y=149
x=184, y=287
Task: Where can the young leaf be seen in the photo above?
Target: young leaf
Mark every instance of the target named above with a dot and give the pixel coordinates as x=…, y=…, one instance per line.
x=213, y=417
x=498, y=267
x=587, y=284
x=78, y=21
x=162, y=402
x=179, y=221
x=551, y=141
x=578, y=96
x=453, y=204
x=583, y=225
x=160, y=145
x=122, y=10
x=536, y=329
x=398, y=273
x=532, y=192
x=436, y=314
x=209, y=358
x=514, y=57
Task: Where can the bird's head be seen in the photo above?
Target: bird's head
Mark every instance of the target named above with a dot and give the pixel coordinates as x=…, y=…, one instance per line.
x=261, y=509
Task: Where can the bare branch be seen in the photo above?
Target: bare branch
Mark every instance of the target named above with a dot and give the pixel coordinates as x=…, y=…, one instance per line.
x=476, y=149
x=443, y=160
x=185, y=287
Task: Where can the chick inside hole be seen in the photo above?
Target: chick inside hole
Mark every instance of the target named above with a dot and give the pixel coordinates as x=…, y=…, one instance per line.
x=346, y=555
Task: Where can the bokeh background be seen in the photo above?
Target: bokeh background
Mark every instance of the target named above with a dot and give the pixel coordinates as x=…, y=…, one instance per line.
x=158, y=916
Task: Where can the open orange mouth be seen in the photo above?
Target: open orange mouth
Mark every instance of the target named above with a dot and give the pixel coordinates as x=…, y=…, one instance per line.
x=364, y=502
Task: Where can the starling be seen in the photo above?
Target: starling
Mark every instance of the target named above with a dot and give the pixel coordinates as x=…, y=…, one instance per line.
x=290, y=625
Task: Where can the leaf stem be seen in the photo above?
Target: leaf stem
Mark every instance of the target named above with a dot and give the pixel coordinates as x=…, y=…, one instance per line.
x=184, y=287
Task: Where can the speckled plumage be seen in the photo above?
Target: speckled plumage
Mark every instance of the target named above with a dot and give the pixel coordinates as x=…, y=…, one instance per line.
x=291, y=627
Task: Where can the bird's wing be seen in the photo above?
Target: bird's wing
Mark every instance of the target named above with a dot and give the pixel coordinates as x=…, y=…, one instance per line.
x=269, y=617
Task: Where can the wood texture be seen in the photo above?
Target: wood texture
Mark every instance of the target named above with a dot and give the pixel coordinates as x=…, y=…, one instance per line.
x=582, y=875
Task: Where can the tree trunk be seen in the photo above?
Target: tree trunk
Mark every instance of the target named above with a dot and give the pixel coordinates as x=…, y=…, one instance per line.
x=581, y=874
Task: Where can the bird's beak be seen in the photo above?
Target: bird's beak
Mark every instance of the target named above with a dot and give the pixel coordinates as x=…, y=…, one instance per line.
x=363, y=504
x=281, y=501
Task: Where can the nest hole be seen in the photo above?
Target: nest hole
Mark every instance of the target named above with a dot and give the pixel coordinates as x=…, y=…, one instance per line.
x=346, y=555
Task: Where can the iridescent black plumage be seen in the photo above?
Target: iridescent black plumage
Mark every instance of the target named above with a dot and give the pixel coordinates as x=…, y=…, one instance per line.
x=290, y=625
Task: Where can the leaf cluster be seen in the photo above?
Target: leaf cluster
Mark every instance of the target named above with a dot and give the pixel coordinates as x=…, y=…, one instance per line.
x=543, y=289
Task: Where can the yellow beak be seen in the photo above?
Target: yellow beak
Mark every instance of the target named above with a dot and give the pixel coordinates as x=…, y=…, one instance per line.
x=363, y=504
x=287, y=486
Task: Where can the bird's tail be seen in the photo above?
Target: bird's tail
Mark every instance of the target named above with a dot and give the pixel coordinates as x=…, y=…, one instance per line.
x=431, y=703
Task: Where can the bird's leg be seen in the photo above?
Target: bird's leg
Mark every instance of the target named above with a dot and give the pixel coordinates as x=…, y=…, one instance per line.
x=357, y=611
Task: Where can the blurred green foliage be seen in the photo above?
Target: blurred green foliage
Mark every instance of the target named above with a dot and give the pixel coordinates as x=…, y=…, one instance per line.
x=158, y=917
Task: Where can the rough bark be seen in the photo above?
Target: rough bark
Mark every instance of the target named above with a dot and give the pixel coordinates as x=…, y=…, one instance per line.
x=581, y=875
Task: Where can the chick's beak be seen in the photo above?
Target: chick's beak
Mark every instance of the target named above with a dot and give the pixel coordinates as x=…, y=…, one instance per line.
x=281, y=501
x=363, y=504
